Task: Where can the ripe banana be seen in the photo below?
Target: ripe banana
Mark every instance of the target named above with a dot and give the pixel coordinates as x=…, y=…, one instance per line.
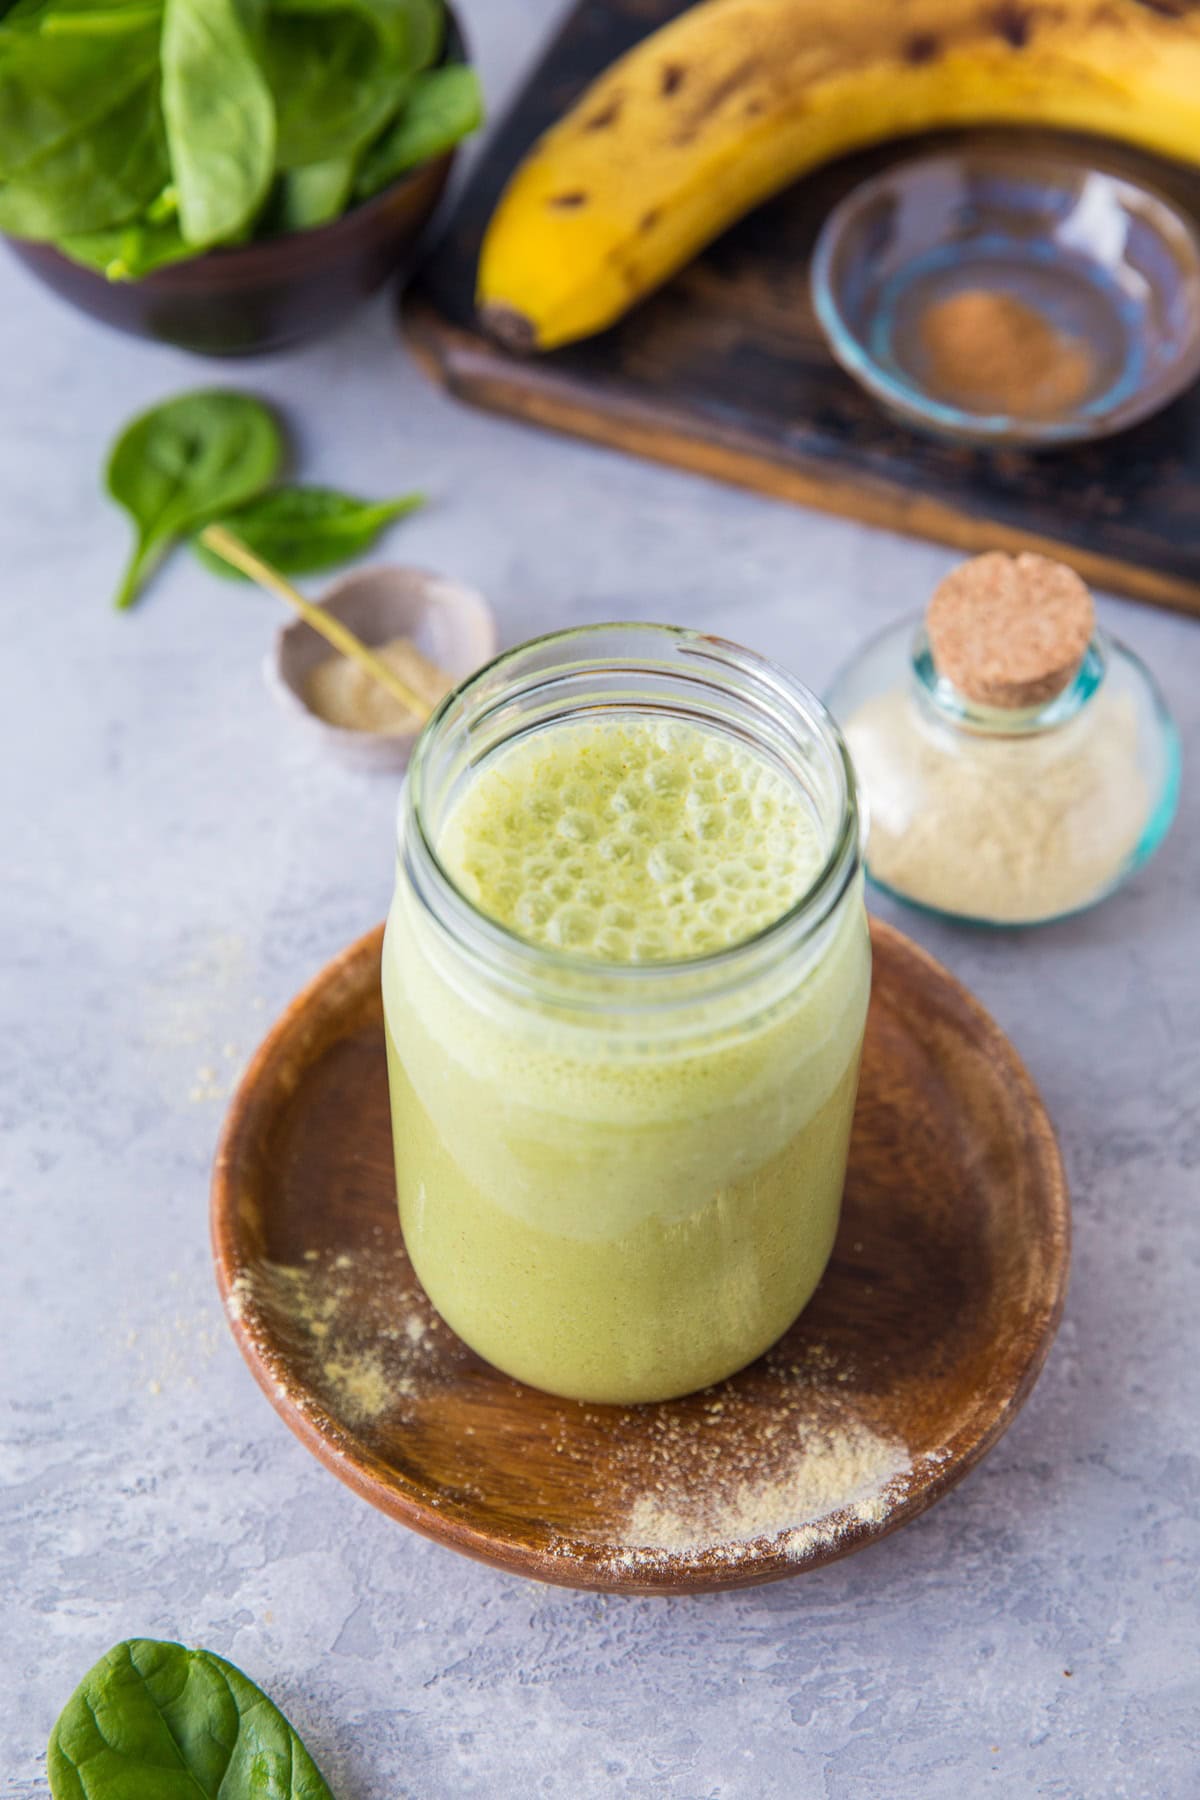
x=736, y=98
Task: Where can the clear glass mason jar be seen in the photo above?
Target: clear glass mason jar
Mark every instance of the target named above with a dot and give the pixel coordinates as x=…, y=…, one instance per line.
x=621, y=1182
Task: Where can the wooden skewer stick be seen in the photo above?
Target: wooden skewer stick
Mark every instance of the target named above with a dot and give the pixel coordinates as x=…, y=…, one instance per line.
x=233, y=550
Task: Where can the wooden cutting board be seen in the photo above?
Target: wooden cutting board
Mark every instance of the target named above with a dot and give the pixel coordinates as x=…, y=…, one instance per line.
x=725, y=372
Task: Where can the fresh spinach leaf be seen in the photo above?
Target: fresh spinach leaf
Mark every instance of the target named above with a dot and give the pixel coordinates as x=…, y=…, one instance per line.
x=138, y=246
x=302, y=529
x=335, y=79
x=184, y=463
x=156, y=1721
x=104, y=174
x=164, y=206
x=220, y=117
x=423, y=23
x=91, y=17
x=412, y=29
x=444, y=106
x=254, y=114
x=127, y=252
x=311, y=195
x=81, y=138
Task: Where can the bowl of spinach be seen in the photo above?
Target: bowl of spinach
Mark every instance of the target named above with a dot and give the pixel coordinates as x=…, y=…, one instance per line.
x=230, y=176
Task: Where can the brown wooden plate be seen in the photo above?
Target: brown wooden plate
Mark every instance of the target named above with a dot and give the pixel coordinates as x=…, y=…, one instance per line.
x=923, y=1340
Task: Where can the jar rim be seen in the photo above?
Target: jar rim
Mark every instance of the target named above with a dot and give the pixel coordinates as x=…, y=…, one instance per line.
x=756, y=676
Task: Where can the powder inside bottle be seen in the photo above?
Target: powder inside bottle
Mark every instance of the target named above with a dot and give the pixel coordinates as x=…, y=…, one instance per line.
x=1010, y=829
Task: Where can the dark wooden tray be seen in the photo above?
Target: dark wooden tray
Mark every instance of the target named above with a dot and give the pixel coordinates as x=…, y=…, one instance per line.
x=724, y=372
x=927, y=1332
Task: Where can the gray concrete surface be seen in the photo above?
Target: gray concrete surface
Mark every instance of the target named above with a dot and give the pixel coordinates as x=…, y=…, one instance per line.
x=178, y=861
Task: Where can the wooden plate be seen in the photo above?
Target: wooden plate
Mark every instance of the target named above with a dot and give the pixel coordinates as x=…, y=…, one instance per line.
x=923, y=1340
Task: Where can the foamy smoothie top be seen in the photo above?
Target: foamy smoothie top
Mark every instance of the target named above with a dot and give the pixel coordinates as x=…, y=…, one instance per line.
x=631, y=840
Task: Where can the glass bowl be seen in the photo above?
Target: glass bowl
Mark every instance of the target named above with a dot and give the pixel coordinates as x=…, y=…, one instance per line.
x=1105, y=262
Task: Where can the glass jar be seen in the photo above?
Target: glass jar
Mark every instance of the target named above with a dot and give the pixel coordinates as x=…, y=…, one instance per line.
x=1006, y=817
x=621, y=1182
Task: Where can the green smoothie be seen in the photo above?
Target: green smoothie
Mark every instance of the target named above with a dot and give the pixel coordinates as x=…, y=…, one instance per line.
x=616, y=1205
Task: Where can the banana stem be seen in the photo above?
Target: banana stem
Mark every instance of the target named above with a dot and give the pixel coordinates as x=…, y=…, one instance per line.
x=240, y=555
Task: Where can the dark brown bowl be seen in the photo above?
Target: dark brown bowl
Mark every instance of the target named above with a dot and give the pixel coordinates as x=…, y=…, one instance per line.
x=261, y=296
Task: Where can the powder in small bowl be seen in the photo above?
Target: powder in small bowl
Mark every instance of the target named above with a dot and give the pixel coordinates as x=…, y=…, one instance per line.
x=988, y=351
x=344, y=694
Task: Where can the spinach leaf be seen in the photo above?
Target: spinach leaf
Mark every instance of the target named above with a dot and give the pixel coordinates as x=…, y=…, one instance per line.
x=412, y=29
x=335, y=79
x=255, y=114
x=155, y=1721
x=137, y=247
x=311, y=195
x=444, y=106
x=81, y=137
x=92, y=17
x=220, y=117
x=127, y=252
x=92, y=177
x=185, y=462
x=424, y=26
x=164, y=206
x=301, y=529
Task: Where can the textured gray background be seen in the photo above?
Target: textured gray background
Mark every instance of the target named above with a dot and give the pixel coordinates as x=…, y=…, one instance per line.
x=178, y=862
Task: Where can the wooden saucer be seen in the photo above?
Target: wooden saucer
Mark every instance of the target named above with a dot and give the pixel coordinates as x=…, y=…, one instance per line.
x=923, y=1340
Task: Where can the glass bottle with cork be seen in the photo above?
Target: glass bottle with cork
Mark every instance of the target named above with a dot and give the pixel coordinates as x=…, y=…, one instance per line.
x=1017, y=764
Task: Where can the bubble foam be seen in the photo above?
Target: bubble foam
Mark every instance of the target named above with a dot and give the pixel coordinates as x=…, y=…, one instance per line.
x=633, y=840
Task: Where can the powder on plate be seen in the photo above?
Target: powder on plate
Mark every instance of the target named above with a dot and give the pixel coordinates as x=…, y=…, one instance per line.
x=988, y=351
x=365, y=1347
x=836, y=1474
x=342, y=692
x=710, y=1481
x=362, y=1386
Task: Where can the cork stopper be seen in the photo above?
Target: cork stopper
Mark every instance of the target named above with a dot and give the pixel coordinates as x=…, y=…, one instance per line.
x=1010, y=631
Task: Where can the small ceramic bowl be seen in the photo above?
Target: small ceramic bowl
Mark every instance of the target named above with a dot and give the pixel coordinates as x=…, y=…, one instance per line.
x=267, y=295
x=1112, y=267
x=451, y=625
